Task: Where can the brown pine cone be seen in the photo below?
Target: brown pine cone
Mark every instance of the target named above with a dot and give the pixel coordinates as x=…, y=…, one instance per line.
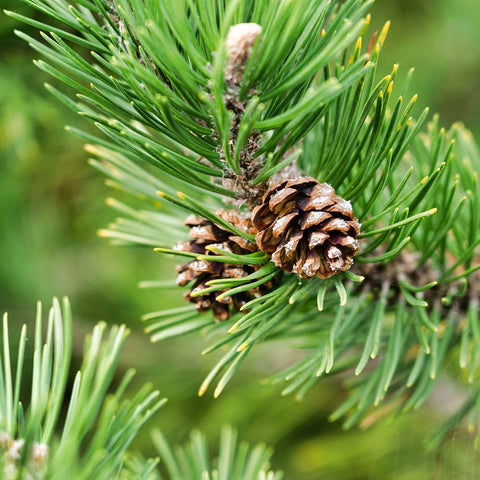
x=205, y=233
x=306, y=228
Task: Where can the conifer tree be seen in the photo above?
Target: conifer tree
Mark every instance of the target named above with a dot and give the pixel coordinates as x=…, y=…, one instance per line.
x=305, y=198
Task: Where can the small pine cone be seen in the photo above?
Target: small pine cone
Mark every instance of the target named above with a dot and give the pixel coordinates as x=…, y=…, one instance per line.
x=205, y=233
x=306, y=228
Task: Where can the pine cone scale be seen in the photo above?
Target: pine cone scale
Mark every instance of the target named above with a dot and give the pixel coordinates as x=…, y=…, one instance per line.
x=341, y=207
x=282, y=223
x=318, y=203
x=336, y=225
x=278, y=202
x=312, y=264
x=262, y=217
x=313, y=218
x=316, y=239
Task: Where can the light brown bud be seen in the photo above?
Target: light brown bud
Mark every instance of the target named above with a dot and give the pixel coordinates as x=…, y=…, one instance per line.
x=240, y=41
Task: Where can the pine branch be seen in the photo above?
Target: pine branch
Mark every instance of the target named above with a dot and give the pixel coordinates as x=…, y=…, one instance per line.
x=98, y=428
x=93, y=439
x=168, y=109
x=182, y=106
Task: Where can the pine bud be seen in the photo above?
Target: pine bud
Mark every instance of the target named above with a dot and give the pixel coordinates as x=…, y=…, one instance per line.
x=15, y=449
x=39, y=454
x=5, y=440
x=240, y=41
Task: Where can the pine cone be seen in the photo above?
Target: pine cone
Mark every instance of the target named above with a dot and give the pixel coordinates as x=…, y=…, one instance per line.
x=306, y=228
x=205, y=233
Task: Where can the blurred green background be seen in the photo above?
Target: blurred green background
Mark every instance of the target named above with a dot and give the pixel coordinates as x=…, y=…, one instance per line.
x=51, y=204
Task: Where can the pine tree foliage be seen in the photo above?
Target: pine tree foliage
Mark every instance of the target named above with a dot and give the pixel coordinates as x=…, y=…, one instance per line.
x=308, y=102
x=193, y=461
x=98, y=428
x=235, y=460
x=91, y=441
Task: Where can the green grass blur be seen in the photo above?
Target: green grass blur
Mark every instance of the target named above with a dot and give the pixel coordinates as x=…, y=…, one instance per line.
x=52, y=203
